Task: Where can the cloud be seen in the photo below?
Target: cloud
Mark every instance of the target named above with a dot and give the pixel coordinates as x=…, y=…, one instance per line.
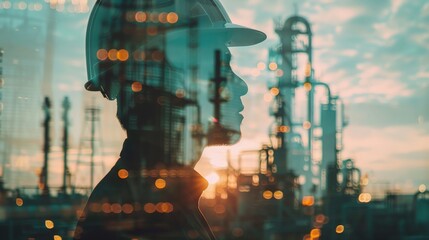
x=323, y=41
x=349, y=52
x=336, y=15
x=385, y=31
x=396, y=4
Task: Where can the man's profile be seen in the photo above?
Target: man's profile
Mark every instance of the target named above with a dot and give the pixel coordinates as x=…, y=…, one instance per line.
x=166, y=63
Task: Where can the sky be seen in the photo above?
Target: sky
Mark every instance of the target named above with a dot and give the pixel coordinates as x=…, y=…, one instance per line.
x=373, y=54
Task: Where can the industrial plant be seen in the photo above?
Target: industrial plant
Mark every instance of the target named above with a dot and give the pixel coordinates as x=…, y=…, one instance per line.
x=301, y=187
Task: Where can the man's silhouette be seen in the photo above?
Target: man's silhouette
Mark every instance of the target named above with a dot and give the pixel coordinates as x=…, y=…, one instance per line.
x=166, y=62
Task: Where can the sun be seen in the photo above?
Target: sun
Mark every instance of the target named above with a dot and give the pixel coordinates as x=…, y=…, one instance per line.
x=212, y=178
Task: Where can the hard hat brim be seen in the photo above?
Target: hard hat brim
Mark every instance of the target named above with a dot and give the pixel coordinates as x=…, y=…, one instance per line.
x=241, y=36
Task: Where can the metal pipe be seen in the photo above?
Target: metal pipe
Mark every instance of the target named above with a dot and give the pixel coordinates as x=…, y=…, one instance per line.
x=43, y=181
x=66, y=173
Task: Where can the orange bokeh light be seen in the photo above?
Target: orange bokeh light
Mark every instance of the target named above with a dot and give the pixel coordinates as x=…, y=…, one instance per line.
x=339, y=229
x=112, y=54
x=160, y=183
x=140, y=16
x=274, y=91
x=315, y=233
x=136, y=87
x=122, y=55
x=267, y=194
x=102, y=54
x=149, y=208
x=122, y=173
x=273, y=66
x=308, y=201
x=172, y=17
x=19, y=202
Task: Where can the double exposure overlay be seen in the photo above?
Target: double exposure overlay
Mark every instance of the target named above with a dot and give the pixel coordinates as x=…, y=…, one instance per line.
x=214, y=119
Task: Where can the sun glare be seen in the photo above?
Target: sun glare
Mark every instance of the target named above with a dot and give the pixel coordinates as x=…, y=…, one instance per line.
x=212, y=178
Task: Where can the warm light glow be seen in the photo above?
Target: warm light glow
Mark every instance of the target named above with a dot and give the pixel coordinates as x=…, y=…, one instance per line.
x=315, y=233
x=127, y=208
x=261, y=66
x=272, y=66
x=116, y=208
x=95, y=207
x=49, y=224
x=306, y=125
x=216, y=155
x=164, y=207
x=279, y=73
x=364, y=197
x=102, y=54
x=308, y=70
x=162, y=17
x=122, y=173
x=140, y=16
x=422, y=188
x=274, y=91
x=307, y=86
x=308, y=201
x=136, y=87
x=160, y=183
x=255, y=180
x=149, y=208
x=19, y=202
x=283, y=129
x=112, y=54
x=212, y=178
x=320, y=218
x=278, y=195
x=122, y=55
x=172, y=17
x=339, y=229
x=267, y=194
x=57, y=237
x=106, y=208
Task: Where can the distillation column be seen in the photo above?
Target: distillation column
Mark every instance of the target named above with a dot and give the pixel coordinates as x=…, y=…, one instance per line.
x=296, y=37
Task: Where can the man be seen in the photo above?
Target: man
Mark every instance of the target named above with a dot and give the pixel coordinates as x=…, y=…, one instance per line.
x=166, y=62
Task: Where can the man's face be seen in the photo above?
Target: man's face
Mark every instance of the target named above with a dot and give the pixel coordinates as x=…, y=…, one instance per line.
x=199, y=68
x=187, y=74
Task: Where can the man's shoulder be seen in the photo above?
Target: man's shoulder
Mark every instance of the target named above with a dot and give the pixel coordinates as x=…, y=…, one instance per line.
x=111, y=184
